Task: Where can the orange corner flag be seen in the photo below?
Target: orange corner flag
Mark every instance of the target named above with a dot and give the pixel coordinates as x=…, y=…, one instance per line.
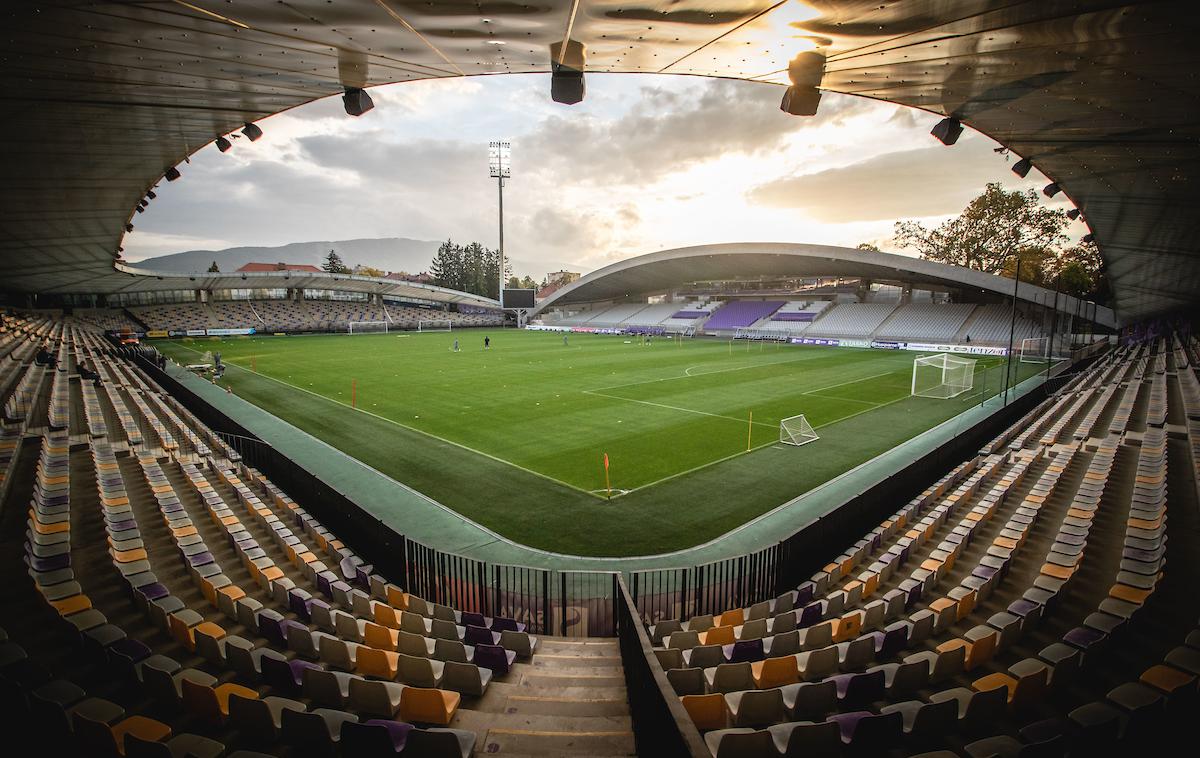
x=606, y=461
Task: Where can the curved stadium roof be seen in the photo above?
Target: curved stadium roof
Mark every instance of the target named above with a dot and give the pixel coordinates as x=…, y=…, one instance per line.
x=667, y=269
x=102, y=98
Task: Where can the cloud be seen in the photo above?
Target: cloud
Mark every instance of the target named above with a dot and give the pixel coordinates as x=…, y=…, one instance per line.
x=903, y=184
x=669, y=129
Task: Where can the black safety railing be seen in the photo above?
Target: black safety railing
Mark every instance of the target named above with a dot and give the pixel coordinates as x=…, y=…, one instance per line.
x=661, y=726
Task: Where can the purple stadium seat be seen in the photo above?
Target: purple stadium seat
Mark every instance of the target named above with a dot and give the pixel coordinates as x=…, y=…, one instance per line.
x=494, y=657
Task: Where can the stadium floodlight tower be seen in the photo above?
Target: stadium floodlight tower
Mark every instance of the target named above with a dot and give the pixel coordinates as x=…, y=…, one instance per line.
x=500, y=168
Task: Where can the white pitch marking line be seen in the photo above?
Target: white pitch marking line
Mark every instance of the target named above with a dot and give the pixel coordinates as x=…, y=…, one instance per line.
x=673, y=407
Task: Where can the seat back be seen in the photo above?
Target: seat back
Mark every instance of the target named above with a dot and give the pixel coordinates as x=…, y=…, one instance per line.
x=706, y=711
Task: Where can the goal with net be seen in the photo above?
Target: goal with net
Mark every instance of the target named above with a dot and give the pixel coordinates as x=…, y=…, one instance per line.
x=1035, y=350
x=942, y=375
x=795, y=430
x=364, y=327
x=435, y=325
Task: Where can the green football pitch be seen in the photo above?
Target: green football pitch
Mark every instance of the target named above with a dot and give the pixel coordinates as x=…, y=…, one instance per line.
x=515, y=436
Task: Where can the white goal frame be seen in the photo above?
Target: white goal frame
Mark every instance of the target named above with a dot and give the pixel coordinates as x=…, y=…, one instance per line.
x=795, y=430
x=422, y=325
x=956, y=375
x=361, y=324
x=1035, y=350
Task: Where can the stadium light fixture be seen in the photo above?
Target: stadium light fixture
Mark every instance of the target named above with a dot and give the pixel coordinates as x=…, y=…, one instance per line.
x=1021, y=167
x=805, y=73
x=171, y=174
x=150, y=194
x=566, y=72
x=251, y=132
x=356, y=101
x=223, y=144
x=500, y=168
x=947, y=131
x=1073, y=214
x=129, y=227
x=1089, y=237
x=1051, y=189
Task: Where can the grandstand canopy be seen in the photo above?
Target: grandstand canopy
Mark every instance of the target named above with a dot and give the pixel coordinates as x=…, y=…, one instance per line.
x=133, y=279
x=102, y=98
x=669, y=269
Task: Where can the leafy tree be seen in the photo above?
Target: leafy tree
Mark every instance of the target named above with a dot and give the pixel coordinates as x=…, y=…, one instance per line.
x=994, y=227
x=368, y=271
x=1080, y=272
x=214, y=268
x=871, y=246
x=334, y=265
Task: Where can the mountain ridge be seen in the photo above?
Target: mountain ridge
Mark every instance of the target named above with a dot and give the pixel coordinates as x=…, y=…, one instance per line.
x=390, y=254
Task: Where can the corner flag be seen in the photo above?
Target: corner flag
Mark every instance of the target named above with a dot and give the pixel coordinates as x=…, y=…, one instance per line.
x=607, y=484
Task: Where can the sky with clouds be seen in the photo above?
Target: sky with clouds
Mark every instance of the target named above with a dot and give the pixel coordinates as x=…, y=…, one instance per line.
x=645, y=163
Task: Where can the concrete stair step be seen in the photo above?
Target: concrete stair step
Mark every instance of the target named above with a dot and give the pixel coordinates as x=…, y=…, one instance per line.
x=535, y=742
x=557, y=705
x=573, y=680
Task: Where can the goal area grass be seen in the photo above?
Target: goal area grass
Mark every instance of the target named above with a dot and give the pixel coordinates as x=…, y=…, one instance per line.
x=514, y=436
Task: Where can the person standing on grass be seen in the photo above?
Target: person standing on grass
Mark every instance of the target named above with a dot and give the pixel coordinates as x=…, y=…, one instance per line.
x=564, y=339
x=455, y=348
x=487, y=343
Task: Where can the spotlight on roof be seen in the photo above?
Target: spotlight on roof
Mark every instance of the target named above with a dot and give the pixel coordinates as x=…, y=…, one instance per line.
x=151, y=194
x=223, y=144
x=1087, y=238
x=1073, y=214
x=140, y=209
x=1021, y=167
x=171, y=174
x=947, y=131
x=251, y=132
x=1051, y=189
x=566, y=72
x=805, y=72
x=356, y=101
x=129, y=227
x=143, y=202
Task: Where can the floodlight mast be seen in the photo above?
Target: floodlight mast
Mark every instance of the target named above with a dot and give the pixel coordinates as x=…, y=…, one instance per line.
x=500, y=168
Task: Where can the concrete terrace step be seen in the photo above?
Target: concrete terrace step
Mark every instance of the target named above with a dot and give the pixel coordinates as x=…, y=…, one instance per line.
x=569, y=700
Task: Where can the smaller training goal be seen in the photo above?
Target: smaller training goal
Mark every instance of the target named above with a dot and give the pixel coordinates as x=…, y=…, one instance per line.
x=942, y=376
x=365, y=327
x=1035, y=350
x=435, y=325
x=795, y=430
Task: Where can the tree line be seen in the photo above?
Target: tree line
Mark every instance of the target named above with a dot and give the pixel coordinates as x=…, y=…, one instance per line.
x=998, y=228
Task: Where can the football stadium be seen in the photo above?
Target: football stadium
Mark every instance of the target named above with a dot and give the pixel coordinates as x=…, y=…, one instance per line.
x=718, y=500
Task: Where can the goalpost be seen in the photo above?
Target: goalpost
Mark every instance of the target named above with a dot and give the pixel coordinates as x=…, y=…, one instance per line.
x=435, y=325
x=1035, y=350
x=942, y=376
x=363, y=327
x=795, y=430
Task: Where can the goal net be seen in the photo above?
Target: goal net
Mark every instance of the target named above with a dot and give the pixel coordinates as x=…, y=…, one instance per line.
x=795, y=430
x=1035, y=350
x=363, y=327
x=435, y=325
x=942, y=375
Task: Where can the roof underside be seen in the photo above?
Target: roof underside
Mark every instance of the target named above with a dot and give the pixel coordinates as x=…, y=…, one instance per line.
x=102, y=97
x=667, y=270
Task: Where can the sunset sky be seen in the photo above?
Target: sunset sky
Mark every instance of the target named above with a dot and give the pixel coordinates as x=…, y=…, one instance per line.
x=643, y=164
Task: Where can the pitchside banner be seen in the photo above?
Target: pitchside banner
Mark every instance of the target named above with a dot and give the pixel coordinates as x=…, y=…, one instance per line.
x=228, y=332
x=932, y=347
x=815, y=341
